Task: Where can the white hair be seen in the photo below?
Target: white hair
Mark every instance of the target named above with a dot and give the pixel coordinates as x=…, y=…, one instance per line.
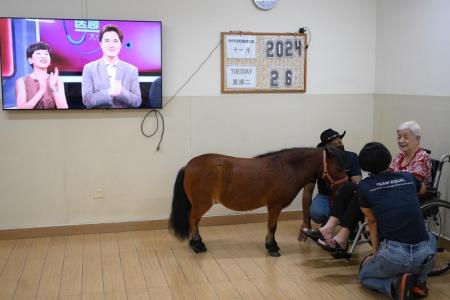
x=412, y=126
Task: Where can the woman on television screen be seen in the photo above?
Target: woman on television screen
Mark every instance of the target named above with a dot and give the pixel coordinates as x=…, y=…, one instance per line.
x=110, y=82
x=40, y=90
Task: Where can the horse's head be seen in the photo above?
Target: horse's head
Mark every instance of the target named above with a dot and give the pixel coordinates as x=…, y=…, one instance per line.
x=335, y=165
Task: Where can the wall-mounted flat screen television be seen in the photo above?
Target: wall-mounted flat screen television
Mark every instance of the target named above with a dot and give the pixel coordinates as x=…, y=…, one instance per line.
x=80, y=64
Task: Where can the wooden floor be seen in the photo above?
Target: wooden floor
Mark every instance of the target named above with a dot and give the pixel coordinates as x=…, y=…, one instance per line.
x=154, y=265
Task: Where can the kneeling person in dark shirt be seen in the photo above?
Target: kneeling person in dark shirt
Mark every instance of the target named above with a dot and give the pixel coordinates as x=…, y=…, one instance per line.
x=403, y=252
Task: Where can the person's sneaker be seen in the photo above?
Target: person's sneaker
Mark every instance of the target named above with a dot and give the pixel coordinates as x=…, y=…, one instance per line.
x=420, y=290
x=402, y=287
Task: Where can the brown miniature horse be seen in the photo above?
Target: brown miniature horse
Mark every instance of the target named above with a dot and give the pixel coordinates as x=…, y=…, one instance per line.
x=272, y=180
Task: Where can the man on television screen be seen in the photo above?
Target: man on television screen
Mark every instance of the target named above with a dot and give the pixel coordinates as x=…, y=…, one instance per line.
x=110, y=82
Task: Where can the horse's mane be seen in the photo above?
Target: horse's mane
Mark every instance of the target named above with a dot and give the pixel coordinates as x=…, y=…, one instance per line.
x=339, y=155
x=279, y=152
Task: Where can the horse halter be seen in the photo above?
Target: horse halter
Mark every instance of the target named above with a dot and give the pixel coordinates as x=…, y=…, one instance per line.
x=327, y=175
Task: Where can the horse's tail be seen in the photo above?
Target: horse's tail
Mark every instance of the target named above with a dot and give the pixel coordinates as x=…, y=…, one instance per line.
x=181, y=208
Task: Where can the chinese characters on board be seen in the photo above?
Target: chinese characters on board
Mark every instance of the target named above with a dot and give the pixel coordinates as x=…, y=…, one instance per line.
x=264, y=62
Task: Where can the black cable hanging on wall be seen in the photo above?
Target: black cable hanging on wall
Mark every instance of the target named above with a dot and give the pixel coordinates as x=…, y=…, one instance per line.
x=157, y=112
x=306, y=30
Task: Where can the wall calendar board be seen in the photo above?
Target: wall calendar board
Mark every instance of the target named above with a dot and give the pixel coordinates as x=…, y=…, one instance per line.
x=263, y=62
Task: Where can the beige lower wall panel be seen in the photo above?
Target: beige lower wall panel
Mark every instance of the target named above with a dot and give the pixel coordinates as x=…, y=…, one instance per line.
x=52, y=163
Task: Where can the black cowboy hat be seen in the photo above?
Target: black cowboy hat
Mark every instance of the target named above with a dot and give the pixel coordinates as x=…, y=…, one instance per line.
x=328, y=135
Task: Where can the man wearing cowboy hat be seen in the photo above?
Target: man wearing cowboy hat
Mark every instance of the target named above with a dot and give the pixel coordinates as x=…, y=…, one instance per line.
x=331, y=137
x=319, y=208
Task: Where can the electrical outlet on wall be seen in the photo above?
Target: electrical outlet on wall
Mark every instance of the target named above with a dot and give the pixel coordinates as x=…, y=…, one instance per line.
x=99, y=193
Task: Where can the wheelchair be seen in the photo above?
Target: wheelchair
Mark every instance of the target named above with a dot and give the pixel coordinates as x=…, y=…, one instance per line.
x=436, y=213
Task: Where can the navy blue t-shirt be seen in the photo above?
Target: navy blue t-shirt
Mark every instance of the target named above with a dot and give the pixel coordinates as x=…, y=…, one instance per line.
x=353, y=170
x=392, y=196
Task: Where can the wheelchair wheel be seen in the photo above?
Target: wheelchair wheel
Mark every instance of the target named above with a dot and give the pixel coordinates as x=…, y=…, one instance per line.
x=436, y=215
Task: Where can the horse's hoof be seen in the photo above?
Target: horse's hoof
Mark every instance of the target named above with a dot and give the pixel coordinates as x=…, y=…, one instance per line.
x=274, y=253
x=273, y=247
x=198, y=250
x=197, y=246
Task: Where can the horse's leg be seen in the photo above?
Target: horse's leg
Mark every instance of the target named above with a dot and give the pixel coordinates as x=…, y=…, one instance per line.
x=196, y=242
x=271, y=244
x=197, y=212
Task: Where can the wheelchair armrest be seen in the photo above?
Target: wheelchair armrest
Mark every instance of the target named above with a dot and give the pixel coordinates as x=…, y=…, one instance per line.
x=430, y=194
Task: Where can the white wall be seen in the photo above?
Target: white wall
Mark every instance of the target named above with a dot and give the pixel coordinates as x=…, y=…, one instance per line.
x=413, y=46
x=51, y=162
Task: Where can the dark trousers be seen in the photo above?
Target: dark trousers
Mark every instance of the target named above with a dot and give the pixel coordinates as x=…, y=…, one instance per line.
x=345, y=206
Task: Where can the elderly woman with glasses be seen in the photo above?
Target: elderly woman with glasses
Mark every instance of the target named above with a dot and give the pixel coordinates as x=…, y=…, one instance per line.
x=411, y=158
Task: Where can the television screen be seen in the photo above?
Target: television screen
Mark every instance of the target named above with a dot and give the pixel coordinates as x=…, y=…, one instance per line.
x=80, y=64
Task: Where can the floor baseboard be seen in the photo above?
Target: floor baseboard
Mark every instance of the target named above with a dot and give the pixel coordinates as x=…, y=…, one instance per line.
x=21, y=233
